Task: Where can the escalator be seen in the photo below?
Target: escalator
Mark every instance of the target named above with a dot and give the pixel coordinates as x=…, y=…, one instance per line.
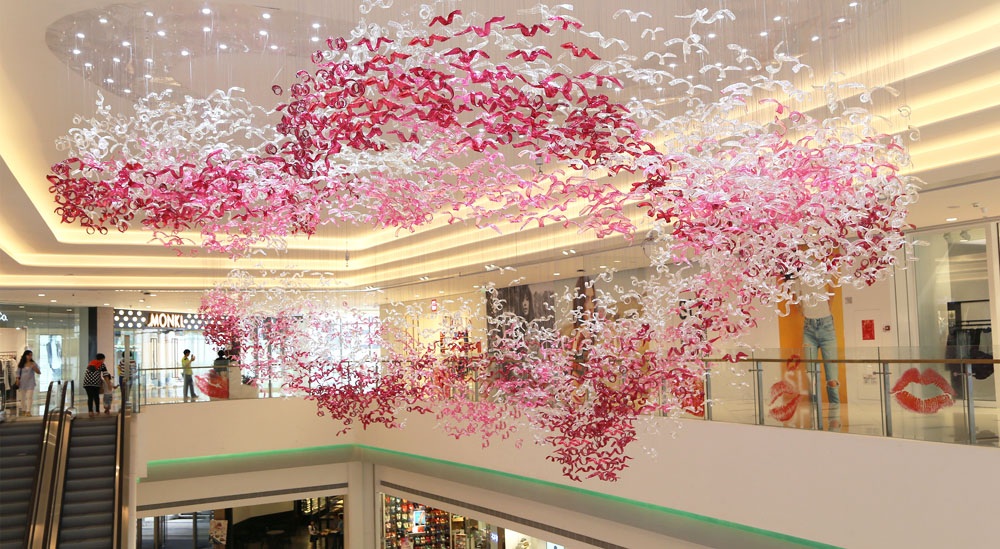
x=87, y=515
x=19, y=447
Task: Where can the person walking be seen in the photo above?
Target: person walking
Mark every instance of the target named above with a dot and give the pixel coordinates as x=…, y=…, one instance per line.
x=188, y=375
x=107, y=390
x=92, y=381
x=25, y=382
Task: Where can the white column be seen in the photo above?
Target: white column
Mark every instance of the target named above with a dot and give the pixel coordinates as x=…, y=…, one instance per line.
x=106, y=334
x=360, y=505
x=993, y=275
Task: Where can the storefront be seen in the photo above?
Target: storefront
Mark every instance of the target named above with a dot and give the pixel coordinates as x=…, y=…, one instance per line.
x=53, y=334
x=156, y=341
x=423, y=526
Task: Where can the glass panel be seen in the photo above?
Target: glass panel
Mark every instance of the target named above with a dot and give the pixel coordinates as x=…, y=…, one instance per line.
x=926, y=404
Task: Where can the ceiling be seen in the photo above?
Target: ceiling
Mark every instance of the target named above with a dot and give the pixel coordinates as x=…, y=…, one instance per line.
x=944, y=61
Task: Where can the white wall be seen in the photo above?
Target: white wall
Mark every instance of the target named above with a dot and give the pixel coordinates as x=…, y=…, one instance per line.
x=845, y=490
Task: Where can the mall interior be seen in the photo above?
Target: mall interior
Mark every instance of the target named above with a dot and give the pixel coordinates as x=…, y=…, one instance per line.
x=458, y=274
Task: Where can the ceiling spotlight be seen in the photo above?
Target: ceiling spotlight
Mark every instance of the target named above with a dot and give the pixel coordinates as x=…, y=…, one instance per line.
x=315, y=25
x=689, y=77
x=659, y=89
x=107, y=304
x=555, y=274
x=76, y=51
x=89, y=65
x=142, y=301
x=206, y=11
x=223, y=47
x=147, y=76
x=314, y=39
x=748, y=67
x=950, y=219
x=149, y=14
x=206, y=29
x=109, y=80
x=149, y=59
x=102, y=20
x=572, y=251
x=116, y=59
x=41, y=295
x=161, y=33
x=776, y=18
x=185, y=53
x=672, y=65
x=80, y=35
x=853, y=4
x=152, y=295
x=262, y=32
x=52, y=301
x=274, y=46
x=815, y=38
x=126, y=90
x=266, y=15
x=711, y=35
x=763, y=33
x=126, y=43
x=842, y=20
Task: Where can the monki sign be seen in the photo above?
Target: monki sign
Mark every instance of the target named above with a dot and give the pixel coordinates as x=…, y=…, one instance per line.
x=166, y=320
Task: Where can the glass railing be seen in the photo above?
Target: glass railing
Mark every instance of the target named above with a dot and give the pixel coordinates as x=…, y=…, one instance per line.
x=894, y=392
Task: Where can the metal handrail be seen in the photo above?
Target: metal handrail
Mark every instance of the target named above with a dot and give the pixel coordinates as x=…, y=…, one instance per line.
x=51, y=536
x=120, y=504
x=36, y=484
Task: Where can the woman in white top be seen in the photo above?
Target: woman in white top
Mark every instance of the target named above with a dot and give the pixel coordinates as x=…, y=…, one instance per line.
x=26, y=370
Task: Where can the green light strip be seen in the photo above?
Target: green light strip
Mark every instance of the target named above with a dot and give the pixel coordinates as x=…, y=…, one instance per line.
x=591, y=493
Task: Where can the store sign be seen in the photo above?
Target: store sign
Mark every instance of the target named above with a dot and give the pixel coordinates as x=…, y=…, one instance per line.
x=434, y=305
x=166, y=320
x=3, y=317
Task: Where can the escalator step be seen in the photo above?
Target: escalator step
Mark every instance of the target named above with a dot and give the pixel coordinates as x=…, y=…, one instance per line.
x=95, y=439
x=15, y=473
x=12, y=496
x=82, y=508
x=95, y=483
x=90, y=461
x=81, y=533
x=86, y=519
x=92, y=496
x=13, y=450
x=18, y=461
x=16, y=544
x=14, y=506
x=93, y=450
x=21, y=439
x=20, y=428
x=90, y=472
x=13, y=520
x=95, y=543
x=16, y=532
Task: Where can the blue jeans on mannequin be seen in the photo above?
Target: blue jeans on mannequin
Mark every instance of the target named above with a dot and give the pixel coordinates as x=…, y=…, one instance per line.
x=819, y=334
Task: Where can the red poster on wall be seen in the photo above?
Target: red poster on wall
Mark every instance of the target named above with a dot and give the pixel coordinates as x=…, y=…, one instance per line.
x=868, y=330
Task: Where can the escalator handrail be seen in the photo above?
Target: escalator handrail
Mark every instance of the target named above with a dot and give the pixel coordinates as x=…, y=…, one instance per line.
x=35, y=485
x=121, y=504
x=55, y=487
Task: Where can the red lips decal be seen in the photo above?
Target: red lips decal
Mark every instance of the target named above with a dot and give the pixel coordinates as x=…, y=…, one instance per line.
x=784, y=391
x=923, y=406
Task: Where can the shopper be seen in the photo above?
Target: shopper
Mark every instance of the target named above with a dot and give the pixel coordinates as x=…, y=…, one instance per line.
x=92, y=381
x=337, y=532
x=107, y=391
x=188, y=375
x=221, y=364
x=314, y=534
x=25, y=382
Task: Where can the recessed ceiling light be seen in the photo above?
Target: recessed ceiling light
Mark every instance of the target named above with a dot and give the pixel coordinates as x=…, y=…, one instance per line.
x=185, y=53
x=673, y=65
x=659, y=89
x=572, y=251
x=763, y=33
x=81, y=35
x=690, y=76
x=266, y=15
x=262, y=32
x=149, y=59
x=76, y=51
x=89, y=65
x=315, y=39
x=161, y=33
x=555, y=274
x=853, y=4
x=126, y=43
x=152, y=295
x=142, y=301
x=223, y=47
x=748, y=67
x=107, y=304
x=149, y=13
x=102, y=20
x=206, y=11
x=109, y=80
x=776, y=18
x=126, y=90
x=815, y=38
x=711, y=35
x=842, y=20
x=147, y=76
x=274, y=46
x=206, y=29
x=604, y=266
x=315, y=25
x=52, y=301
x=952, y=219
x=41, y=295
